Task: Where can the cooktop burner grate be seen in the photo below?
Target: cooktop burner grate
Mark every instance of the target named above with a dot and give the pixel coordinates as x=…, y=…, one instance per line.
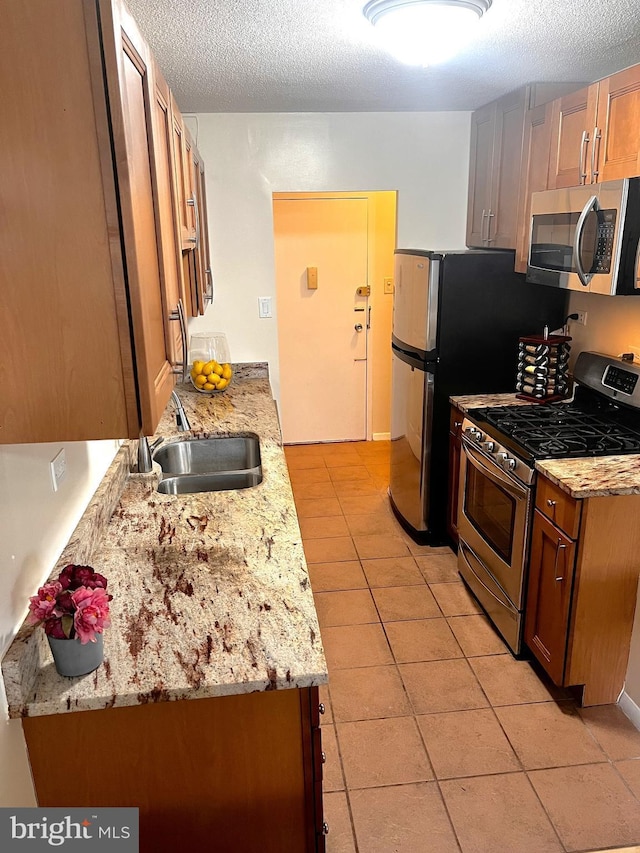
x=564, y=429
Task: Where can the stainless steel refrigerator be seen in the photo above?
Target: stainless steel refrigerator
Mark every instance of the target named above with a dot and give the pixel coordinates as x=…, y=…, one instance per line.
x=457, y=317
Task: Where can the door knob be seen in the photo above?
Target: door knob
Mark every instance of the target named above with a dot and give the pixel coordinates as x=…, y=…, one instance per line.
x=358, y=327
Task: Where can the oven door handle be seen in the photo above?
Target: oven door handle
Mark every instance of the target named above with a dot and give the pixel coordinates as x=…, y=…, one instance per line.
x=509, y=483
x=591, y=205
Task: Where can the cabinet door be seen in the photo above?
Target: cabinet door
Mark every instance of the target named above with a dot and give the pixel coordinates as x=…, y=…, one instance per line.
x=535, y=165
x=617, y=153
x=181, y=180
x=572, y=124
x=131, y=97
x=482, y=132
x=506, y=171
x=167, y=215
x=551, y=571
x=205, y=289
x=455, y=426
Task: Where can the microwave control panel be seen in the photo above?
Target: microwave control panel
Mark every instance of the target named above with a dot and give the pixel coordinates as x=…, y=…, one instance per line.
x=604, y=241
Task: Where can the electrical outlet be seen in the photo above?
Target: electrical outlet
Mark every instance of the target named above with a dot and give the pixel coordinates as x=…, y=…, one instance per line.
x=58, y=469
x=388, y=285
x=582, y=318
x=635, y=349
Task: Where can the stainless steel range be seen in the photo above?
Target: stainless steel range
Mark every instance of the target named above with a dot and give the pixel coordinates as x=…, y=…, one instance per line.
x=500, y=446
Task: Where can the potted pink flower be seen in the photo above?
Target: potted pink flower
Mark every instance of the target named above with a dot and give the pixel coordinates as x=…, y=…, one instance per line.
x=74, y=610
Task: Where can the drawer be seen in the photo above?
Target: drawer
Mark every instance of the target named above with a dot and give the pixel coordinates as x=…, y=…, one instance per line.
x=563, y=510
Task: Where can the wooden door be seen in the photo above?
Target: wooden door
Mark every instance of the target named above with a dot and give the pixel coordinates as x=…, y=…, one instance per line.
x=572, y=124
x=482, y=133
x=506, y=171
x=131, y=96
x=535, y=167
x=551, y=571
x=166, y=213
x=618, y=151
x=322, y=333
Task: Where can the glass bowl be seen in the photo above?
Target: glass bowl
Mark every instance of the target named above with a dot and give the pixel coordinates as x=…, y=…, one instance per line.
x=210, y=362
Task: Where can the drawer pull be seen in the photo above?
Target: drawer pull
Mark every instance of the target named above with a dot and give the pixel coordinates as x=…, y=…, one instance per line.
x=321, y=708
x=323, y=754
x=559, y=547
x=551, y=503
x=325, y=828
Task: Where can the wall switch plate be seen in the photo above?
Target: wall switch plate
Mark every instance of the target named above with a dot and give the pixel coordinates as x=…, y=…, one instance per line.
x=388, y=285
x=264, y=307
x=58, y=469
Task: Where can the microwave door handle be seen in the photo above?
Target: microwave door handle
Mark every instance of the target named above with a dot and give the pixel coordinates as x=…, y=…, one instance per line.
x=592, y=204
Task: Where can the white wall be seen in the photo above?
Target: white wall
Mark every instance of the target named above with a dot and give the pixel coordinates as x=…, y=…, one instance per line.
x=35, y=525
x=249, y=156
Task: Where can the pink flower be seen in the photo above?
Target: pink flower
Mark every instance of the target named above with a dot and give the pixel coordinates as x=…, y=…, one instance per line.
x=43, y=605
x=92, y=613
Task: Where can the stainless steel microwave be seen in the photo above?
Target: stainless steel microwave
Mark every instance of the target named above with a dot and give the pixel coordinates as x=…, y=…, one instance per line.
x=587, y=238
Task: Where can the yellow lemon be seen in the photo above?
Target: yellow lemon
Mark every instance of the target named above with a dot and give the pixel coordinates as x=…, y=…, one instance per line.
x=194, y=373
x=213, y=378
x=208, y=367
x=200, y=380
x=197, y=367
x=217, y=368
x=208, y=386
x=227, y=373
x=222, y=384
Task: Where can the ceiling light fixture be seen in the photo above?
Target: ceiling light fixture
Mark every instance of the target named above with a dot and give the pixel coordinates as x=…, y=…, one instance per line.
x=424, y=32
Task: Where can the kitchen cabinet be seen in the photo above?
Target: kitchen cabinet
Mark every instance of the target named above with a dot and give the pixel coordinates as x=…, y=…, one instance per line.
x=85, y=241
x=455, y=439
x=238, y=773
x=536, y=148
x=583, y=576
x=203, y=282
x=498, y=130
x=596, y=132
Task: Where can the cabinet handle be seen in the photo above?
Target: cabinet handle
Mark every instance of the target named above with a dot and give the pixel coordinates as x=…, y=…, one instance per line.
x=323, y=756
x=489, y=218
x=457, y=424
x=193, y=202
x=321, y=708
x=325, y=828
x=559, y=547
x=583, y=157
x=180, y=367
x=484, y=217
x=597, y=136
x=208, y=297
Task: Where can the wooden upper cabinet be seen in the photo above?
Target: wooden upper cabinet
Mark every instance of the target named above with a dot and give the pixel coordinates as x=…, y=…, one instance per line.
x=132, y=100
x=202, y=261
x=483, y=124
x=596, y=132
x=572, y=124
x=618, y=119
x=535, y=163
x=167, y=215
x=182, y=180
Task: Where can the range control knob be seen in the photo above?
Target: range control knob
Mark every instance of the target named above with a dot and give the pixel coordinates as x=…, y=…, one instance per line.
x=489, y=446
x=506, y=461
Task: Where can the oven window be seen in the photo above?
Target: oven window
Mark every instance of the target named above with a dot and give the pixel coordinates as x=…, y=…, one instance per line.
x=491, y=510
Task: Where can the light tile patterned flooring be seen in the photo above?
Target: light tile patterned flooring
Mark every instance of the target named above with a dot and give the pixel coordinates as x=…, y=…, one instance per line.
x=437, y=740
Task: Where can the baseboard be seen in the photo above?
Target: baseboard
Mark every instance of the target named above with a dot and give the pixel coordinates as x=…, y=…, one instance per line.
x=382, y=436
x=629, y=708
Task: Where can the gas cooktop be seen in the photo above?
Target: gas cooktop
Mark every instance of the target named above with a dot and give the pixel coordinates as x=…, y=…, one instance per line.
x=561, y=430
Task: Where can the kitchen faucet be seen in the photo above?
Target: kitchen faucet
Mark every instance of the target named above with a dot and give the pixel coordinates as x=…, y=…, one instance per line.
x=144, y=451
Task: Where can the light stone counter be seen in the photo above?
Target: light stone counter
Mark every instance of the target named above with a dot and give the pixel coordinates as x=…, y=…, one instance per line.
x=211, y=594
x=585, y=477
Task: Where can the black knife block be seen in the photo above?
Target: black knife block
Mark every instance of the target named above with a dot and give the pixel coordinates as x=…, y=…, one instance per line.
x=542, y=368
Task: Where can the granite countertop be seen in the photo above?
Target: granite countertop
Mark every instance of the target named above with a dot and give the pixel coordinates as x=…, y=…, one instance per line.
x=211, y=594
x=585, y=477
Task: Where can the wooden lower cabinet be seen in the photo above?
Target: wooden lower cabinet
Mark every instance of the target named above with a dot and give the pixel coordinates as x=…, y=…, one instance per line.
x=455, y=439
x=238, y=774
x=583, y=579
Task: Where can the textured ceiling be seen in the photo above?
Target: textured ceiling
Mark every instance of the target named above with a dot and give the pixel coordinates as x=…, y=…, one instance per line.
x=318, y=55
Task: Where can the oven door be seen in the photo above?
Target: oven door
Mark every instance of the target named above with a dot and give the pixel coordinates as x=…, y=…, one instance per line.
x=493, y=519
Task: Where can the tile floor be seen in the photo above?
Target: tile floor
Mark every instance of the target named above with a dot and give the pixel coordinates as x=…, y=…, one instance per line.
x=437, y=740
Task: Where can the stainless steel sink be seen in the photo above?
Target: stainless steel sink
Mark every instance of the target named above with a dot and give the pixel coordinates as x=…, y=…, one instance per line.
x=209, y=464
x=190, y=483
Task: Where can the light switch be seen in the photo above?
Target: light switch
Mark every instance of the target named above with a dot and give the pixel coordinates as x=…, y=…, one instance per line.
x=264, y=307
x=388, y=285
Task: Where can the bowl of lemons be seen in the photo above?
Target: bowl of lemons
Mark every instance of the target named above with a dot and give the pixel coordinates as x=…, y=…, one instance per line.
x=211, y=377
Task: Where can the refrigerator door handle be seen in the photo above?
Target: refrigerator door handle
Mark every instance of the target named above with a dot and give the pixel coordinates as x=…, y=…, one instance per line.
x=432, y=305
x=427, y=427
